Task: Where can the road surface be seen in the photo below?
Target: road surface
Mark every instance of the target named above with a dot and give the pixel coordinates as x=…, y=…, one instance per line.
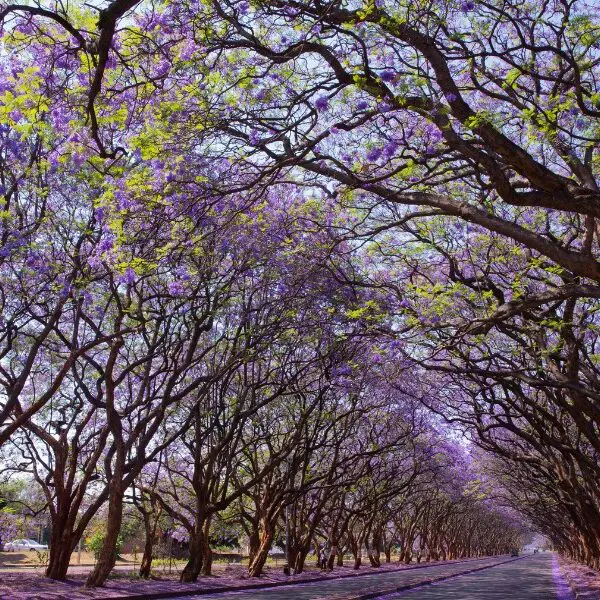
x=527, y=578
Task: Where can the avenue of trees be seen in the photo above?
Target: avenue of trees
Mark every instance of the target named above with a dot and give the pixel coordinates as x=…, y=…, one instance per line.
x=313, y=271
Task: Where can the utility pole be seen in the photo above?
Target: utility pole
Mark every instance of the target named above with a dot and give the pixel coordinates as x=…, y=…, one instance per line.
x=288, y=530
x=287, y=539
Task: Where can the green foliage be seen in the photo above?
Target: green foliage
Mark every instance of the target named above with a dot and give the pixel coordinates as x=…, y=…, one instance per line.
x=94, y=542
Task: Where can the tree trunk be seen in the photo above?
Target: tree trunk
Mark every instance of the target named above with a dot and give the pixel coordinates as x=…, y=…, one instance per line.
x=108, y=552
x=62, y=537
x=266, y=539
x=253, y=542
x=150, y=525
x=207, y=555
x=194, y=564
x=374, y=549
x=300, y=559
x=356, y=548
x=332, y=556
x=388, y=553
x=146, y=565
x=59, y=557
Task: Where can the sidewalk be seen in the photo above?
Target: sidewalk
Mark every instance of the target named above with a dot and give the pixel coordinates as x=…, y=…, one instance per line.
x=583, y=581
x=29, y=586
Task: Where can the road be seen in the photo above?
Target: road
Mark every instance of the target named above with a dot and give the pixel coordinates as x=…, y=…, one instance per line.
x=528, y=578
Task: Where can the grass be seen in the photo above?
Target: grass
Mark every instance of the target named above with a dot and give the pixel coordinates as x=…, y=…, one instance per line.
x=26, y=559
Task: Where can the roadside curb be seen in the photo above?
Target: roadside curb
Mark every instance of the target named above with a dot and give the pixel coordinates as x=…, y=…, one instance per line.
x=277, y=584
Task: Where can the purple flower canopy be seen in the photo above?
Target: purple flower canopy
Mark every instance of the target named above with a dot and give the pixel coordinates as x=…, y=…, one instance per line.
x=257, y=257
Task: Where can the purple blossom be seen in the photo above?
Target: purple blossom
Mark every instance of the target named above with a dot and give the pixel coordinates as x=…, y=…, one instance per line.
x=129, y=276
x=343, y=370
x=467, y=6
x=183, y=273
x=106, y=244
x=187, y=51
x=94, y=261
x=390, y=149
x=384, y=106
x=362, y=105
x=388, y=76
x=374, y=154
x=123, y=200
x=176, y=288
x=322, y=103
x=433, y=132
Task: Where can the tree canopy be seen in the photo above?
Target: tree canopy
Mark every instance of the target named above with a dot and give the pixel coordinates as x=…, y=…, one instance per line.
x=320, y=270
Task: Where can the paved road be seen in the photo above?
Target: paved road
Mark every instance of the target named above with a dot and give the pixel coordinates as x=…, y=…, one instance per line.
x=528, y=579
x=352, y=586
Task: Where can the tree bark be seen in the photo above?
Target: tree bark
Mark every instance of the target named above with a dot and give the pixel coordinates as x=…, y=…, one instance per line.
x=61, y=549
x=108, y=552
x=207, y=555
x=146, y=565
x=256, y=566
x=253, y=542
x=192, y=569
x=300, y=559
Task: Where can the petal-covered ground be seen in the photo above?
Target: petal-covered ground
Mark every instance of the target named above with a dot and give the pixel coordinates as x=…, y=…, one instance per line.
x=24, y=585
x=584, y=582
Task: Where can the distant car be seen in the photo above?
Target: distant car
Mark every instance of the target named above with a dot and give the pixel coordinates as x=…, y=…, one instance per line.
x=535, y=550
x=19, y=545
x=514, y=553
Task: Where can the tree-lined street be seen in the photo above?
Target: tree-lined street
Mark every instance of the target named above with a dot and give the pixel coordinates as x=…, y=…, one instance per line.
x=528, y=578
x=313, y=283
